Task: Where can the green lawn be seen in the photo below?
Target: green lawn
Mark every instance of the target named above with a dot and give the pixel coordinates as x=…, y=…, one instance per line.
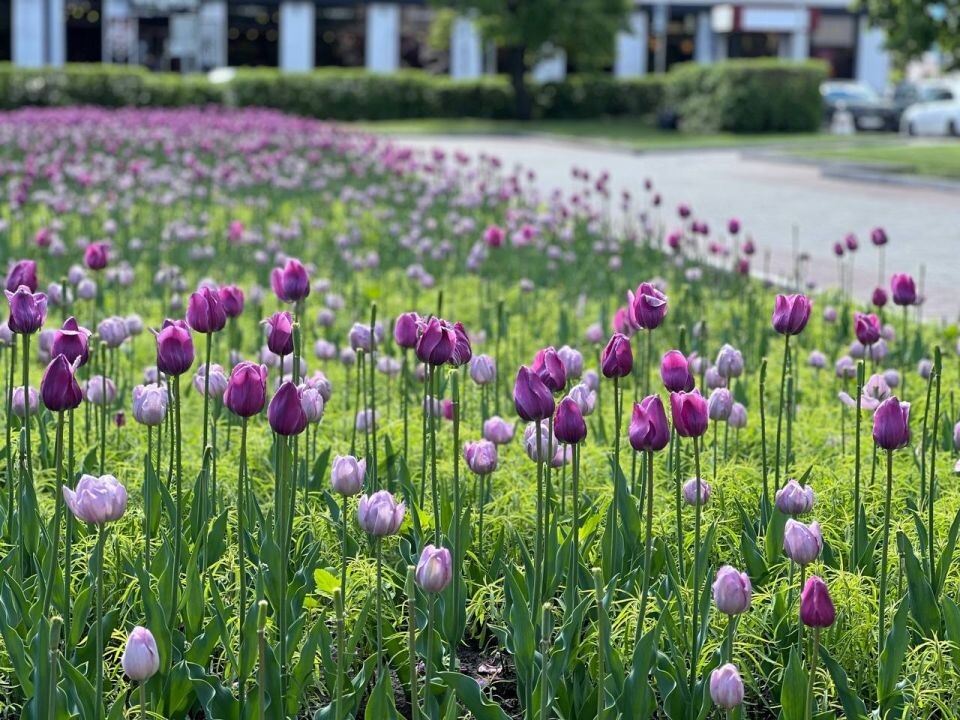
x=635, y=133
x=941, y=159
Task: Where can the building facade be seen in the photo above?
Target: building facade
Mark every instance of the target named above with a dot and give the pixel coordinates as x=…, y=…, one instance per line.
x=299, y=35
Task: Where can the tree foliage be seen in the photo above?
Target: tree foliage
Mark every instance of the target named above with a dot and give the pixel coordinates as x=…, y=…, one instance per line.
x=915, y=26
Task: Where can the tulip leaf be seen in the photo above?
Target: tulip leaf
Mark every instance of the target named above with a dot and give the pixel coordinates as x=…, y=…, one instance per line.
x=468, y=692
x=853, y=707
x=380, y=705
x=891, y=661
x=793, y=691
x=923, y=604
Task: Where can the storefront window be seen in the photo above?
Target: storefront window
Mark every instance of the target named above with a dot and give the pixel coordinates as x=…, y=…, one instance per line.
x=252, y=34
x=84, y=31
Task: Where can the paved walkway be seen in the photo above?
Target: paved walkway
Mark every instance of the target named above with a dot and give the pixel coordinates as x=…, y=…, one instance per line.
x=770, y=198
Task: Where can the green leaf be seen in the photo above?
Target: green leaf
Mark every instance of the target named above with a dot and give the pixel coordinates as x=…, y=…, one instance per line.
x=923, y=603
x=793, y=692
x=326, y=582
x=891, y=661
x=380, y=705
x=853, y=707
x=468, y=692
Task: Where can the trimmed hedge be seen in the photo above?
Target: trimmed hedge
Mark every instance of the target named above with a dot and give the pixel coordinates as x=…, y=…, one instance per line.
x=737, y=96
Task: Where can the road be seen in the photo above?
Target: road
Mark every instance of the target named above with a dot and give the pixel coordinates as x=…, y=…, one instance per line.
x=769, y=198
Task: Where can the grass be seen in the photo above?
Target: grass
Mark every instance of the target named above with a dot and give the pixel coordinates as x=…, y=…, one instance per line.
x=938, y=159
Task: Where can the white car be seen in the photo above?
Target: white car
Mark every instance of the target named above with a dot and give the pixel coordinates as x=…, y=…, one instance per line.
x=938, y=112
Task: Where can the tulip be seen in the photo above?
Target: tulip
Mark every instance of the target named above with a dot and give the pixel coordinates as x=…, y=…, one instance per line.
x=361, y=338
x=205, y=312
x=594, y=334
x=149, y=404
x=406, y=330
x=290, y=284
x=649, y=429
x=531, y=398
x=22, y=272
x=120, y=418
x=791, y=313
x=648, y=306
x=380, y=514
x=738, y=416
x=867, y=328
x=675, y=373
x=59, y=388
x=616, y=361
x=569, y=425
x=956, y=436
x=691, y=494
x=802, y=543
x=483, y=369
x=97, y=500
x=28, y=310
x=285, y=413
x=584, y=397
x=347, y=475
x=436, y=343
x=96, y=255
x=112, y=331
x=572, y=361
x=434, y=569
x=549, y=367
x=891, y=424
x=71, y=341
x=101, y=390
x=280, y=333
x=817, y=360
x=246, y=392
x=690, y=413
x=217, y=384
x=462, y=350
x=18, y=404
x=231, y=300
x=713, y=379
x=497, y=430
x=311, y=400
x=729, y=362
x=731, y=591
x=175, y=351
x=794, y=498
x=845, y=368
x=816, y=607
x=904, y=290
x=141, y=658
x=480, y=456
x=366, y=419
x=879, y=297
x=720, y=405
x=726, y=687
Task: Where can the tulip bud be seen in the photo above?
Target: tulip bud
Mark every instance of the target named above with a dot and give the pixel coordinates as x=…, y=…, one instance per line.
x=696, y=491
x=497, y=430
x=347, y=475
x=312, y=403
x=532, y=399
x=436, y=343
x=584, y=397
x=59, y=388
x=96, y=500
x=246, y=392
x=649, y=429
x=100, y=390
x=569, y=426
x=480, y=456
x=217, y=384
x=280, y=333
x=794, y=498
x=285, y=413
x=175, y=351
x=675, y=373
x=406, y=329
x=891, y=424
x=462, y=350
x=731, y=591
x=879, y=297
x=205, y=313
x=738, y=416
x=616, y=361
x=648, y=306
x=96, y=255
x=572, y=361
x=231, y=300
x=816, y=606
x=690, y=413
x=141, y=658
x=434, y=569
x=22, y=272
x=380, y=514
x=791, y=313
x=726, y=687
x=720, y=405
x=19, y=402
x=904, y=290
x=483, y=369
x=548, y=366
x=867, y=328
x=729, y=362
x=149, y=404
x=802, y=543
x=28, y=310
x=291, y=283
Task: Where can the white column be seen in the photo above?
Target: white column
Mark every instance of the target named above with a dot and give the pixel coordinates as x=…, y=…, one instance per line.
x=661, y=16
x=631, y=57
x=552, y=66
x=213, y=34
x=801, y=45
x=383, y=37
x=703, y=39
x=873, y=62
x=119, y=32
x=466, y=49
x=297, y=35
x=28, y=33
x=57, y=33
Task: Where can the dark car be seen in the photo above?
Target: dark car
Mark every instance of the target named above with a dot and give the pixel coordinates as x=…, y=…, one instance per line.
x=869, y=110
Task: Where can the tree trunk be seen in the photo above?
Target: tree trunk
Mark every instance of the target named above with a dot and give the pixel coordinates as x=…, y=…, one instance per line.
x=518, y=72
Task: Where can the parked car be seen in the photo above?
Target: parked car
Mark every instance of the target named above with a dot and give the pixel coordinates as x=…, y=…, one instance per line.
x=869, y=110
x=937, y=111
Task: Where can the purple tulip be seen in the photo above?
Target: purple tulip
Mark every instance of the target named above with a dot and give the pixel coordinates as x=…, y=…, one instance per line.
x=675, y=373
x=891, y=424
x=569, y=425
x=71, y=340
x=22, y=272
x=738, y=416
x=733, y=226
x=696, y=490
x=380, y=514
x=851, y=242
x=175, y=351
x=434, y=569
x=246, y=392
x=406, y=329
x=97, y=500
x=347, y=475
x=879, y=298
x=112, y=331
x=96, y=255
x=690, y=413
x=216, y=386
x=867, y=328
x=149, y=404
x=649, y=429
x=290, y=284
x=497, y=430
x=726, y=687
x=100, y=390
x=532, y=399
x=28, y=310
x=462, y=350
x=436, y=343
x=816, y=606
x=481, y=456
x=584, y=397
x=205, y=313
x=956, y=436
x=285, y=413
x=648, y=306
x=802, y=543
x=878, y=236
x=280, y=333
x=904, y=290
x=19, y=402
x=617, y=358
x=232, y=300
x=720, y=405
x=549, y=367
x=791, y=313
x=483, y=369
x=572, y=360
x=794, y=498
x=59, y=388
x=732, y=591
x=729, y=362
x=141, y=658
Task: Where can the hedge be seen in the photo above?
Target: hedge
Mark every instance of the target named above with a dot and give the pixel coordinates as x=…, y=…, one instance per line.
x=737, y=96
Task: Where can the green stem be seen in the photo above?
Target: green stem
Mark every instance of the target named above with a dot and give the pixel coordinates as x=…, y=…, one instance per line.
x=143, y=701
x=856, y=475
x=695, y=608
x=883, y=560
x=648, y=545
x=262, y=660
x=572, y=573
x=412, y=643
x=57, y=516
x=341, y=652
x=931, y=494
x=98, y=654
x=814, y=659
x=602, y=643
x=53, y=650
x=545, y=640
x=241, y=560
x=783, y=392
